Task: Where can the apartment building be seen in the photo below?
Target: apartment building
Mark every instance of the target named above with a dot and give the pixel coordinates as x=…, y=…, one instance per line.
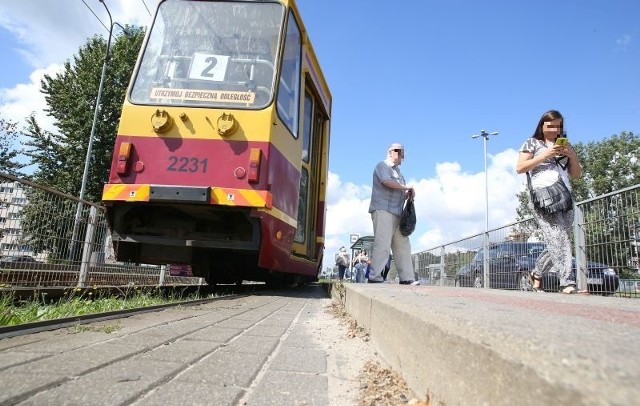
x=12, y=201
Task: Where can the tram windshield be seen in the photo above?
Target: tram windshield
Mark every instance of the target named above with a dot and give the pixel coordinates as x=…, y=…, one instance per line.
x=214, y=54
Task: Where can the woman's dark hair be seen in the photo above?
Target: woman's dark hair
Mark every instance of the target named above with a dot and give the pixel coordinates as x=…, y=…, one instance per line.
x=548, y=116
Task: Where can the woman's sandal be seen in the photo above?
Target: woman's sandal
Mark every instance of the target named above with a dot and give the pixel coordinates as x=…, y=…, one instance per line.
x=572, y=290
x=534, y=288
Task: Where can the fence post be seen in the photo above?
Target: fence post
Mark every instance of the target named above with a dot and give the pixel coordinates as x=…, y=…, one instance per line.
x=442, y=274
x=75, y=241
x=163, y=271
x=86, y=250
x=414, y=259
x=485, y=262
x=579, y=248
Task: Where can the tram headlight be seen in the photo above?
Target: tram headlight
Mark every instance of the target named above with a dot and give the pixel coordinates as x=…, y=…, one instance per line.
x=227, y=124
x=161, y=121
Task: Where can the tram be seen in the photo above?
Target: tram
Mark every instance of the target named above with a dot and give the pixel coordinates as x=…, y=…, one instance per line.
x=221, y=155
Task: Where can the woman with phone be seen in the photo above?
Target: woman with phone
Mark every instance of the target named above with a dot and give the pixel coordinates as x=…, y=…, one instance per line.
x=548, y=158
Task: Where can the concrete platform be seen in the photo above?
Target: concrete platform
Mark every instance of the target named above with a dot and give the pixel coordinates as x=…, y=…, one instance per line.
x=465, y=346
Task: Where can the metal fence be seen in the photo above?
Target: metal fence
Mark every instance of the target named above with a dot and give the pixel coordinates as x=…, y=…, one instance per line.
x=606, y=238
x=50, y=239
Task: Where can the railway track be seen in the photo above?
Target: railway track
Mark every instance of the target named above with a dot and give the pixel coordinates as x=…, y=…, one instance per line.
x=54, y=324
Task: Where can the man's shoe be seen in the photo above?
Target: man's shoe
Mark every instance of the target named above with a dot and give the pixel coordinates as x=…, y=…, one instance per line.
x=413, y=283
x=372, y=281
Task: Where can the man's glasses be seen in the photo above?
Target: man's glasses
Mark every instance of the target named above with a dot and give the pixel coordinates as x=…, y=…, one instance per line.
x=397, y=150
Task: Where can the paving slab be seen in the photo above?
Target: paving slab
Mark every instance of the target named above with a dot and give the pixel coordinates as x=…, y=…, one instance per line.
x=280, y=348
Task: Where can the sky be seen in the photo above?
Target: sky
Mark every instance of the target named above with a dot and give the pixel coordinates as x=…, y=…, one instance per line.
x=427, y=74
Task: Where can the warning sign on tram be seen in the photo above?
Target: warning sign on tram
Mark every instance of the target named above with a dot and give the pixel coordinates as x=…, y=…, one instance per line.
x=354, y=237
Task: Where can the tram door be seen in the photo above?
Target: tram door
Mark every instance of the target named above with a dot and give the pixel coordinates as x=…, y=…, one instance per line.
x=313, y=129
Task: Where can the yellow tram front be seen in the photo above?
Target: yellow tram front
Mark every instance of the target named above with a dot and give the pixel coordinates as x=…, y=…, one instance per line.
x=220, y=159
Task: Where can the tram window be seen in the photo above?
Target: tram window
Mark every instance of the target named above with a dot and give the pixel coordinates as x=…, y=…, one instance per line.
x=301, y=229
x=307, y=124
x=289, y=85
x=224, y=56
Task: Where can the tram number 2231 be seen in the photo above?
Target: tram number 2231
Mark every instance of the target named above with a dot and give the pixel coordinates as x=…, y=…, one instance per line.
x=187, y=164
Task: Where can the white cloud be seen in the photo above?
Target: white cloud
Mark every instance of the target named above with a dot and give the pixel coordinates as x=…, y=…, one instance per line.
x=25, y=99
x=347, y=208
x=45, y=35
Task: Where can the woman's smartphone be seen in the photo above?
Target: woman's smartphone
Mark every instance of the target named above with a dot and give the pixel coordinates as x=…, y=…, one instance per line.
x=562, y=141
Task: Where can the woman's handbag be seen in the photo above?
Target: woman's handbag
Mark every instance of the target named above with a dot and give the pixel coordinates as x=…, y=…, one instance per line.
x=408, y=218
x=550, y=199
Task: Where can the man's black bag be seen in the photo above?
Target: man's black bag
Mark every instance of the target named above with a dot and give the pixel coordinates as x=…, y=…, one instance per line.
x=408, y=218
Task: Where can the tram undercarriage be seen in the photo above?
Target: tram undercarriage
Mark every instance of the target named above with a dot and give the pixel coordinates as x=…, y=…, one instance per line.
x=220, y=244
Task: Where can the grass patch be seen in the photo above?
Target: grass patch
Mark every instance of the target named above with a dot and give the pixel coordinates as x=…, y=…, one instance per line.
x=39, y=309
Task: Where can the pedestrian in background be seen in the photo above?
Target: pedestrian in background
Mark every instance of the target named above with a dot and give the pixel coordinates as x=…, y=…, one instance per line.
x=360, y=265
x=342, y=261
x=549, y=161
x=388, y=194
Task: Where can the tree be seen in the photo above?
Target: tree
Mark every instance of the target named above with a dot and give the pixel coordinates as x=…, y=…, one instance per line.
x=524, y=229
x=49, y=154
x=608, y=165
x=71, y=98
x=8, y=154
x=60, y=156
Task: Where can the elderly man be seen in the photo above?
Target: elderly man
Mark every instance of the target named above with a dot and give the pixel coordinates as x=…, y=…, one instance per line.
x=388, y=194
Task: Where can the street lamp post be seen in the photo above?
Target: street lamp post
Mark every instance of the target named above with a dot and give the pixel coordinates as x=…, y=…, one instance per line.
x=485, y=265
x=94, y=124
x=96, y=110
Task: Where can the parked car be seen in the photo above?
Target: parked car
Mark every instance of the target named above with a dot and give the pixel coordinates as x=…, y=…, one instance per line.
x=629, y=287
x=17, y=259
x=510, y=263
